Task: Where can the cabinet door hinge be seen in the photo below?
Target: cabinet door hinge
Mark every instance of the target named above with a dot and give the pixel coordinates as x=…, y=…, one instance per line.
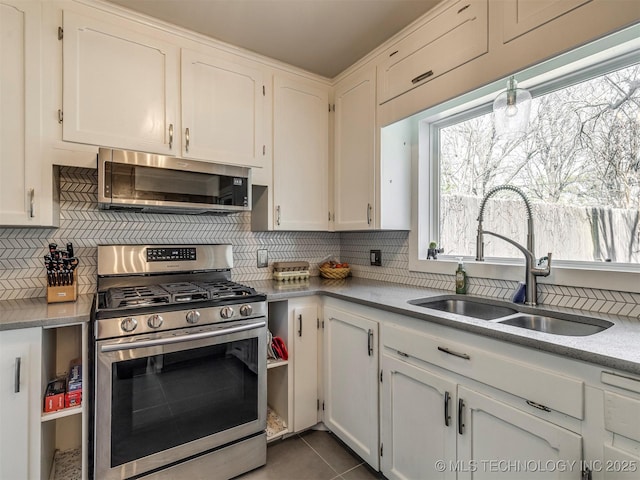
x=264, y=150
x=586, y=474
x=60, y=33
x=60, y=115
x=381, y=449
x=318, y=404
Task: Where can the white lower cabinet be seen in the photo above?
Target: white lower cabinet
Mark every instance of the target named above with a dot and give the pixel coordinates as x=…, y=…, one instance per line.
x=351, y=381
x=292, y=384
x=20, y=360
x=305, y=366
x=417, y=425
x=496, y=440
x=433, y=427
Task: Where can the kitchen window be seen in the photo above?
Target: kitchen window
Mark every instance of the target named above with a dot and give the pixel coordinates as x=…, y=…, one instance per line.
x=578, y=162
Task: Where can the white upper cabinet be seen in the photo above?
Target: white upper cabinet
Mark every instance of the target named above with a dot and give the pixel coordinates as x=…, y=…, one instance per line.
x=222, y=110
x=355, y=151
x=452, y=35
x=23, y=200
x=120, y=86
x=300, y=154
x=522, y=16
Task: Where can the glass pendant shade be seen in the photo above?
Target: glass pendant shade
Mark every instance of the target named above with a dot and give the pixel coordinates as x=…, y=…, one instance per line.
x=511, y=110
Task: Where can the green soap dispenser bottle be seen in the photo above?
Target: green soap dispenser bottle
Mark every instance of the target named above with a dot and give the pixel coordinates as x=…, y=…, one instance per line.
x=461, y=277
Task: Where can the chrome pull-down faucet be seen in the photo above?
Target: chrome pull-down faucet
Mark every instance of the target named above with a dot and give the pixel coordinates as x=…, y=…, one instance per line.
x=531, y=272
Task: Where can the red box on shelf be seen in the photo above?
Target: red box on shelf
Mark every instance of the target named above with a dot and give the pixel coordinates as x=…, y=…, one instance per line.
x=73, y=399
x=54, y=395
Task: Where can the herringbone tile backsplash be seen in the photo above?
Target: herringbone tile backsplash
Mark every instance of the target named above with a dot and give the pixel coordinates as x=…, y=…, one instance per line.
x=22, y=274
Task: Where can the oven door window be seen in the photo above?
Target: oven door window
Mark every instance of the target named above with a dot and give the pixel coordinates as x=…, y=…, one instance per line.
x=162, y=401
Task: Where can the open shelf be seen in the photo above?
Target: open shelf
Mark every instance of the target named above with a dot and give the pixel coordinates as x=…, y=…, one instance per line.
x=275, y=362
x=65, y=412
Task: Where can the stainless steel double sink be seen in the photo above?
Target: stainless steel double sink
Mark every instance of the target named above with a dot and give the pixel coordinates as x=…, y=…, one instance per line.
x=515, y=315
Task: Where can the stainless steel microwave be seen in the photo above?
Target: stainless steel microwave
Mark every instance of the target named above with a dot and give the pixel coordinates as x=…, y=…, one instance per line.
x=147, y=182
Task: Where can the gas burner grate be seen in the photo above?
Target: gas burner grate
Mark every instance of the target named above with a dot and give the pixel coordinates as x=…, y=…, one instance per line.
x=123, y=297
x=224, y=289
x=185, y=292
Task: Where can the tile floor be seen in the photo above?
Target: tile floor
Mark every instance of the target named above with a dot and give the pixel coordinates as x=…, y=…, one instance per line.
x=312, y=455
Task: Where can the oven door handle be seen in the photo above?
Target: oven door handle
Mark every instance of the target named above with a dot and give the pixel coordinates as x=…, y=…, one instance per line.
x=182, y=338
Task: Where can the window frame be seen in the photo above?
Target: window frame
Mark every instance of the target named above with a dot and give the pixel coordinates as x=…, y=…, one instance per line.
x=579, y=65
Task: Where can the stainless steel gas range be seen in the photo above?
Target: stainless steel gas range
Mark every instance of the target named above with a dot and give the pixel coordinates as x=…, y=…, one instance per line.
x=179, y=365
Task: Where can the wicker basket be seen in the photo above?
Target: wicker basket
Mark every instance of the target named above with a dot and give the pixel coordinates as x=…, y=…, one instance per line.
x=328, y=272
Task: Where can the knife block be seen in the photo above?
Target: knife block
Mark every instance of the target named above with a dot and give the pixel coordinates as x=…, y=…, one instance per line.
x=63, y=293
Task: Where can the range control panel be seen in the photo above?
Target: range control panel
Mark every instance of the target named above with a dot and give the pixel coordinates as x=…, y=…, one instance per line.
x=170, y=254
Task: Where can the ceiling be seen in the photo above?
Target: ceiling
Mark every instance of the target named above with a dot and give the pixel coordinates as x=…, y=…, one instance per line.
x=321, y=36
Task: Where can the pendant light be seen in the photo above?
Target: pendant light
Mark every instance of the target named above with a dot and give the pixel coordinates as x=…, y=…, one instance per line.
x=511, y=110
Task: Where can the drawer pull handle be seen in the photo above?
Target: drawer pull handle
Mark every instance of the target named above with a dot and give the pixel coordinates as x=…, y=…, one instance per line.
x=460, y=419
x=402, y=354
x=421, y=77
x=539, y=406
x=447, y=416
x=464, y=8
x=455, y=354
x=393, y=53
x=17, y=375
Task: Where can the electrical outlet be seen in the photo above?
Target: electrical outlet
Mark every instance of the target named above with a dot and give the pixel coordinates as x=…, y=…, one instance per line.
x=375, y=256
x=263, y=258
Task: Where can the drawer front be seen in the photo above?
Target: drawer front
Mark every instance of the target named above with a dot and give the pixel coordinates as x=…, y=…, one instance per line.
x=622, y=415
x=540, y=388
x=457, y=35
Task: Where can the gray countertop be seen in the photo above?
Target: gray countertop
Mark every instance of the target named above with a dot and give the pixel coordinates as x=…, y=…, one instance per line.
x=36, y=312
x=617, y=347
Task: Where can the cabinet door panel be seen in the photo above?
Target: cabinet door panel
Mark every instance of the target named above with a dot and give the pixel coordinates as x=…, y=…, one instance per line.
x=619, y=464
x=20, y=184
x=300, y=155
x=351, y=376
x=355, y=137
x=19, y=394
x=495, y=431
x=305, y=370
x=222, y=106
x=460, y=31
x=522, y=16
x=413, y=429
x=120, y=87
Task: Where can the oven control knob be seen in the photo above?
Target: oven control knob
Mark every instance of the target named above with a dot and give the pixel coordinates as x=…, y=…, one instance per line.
x=245, y=310
x=155, y=321
x=193, y=316
x=129, y=324
x=226, y=312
